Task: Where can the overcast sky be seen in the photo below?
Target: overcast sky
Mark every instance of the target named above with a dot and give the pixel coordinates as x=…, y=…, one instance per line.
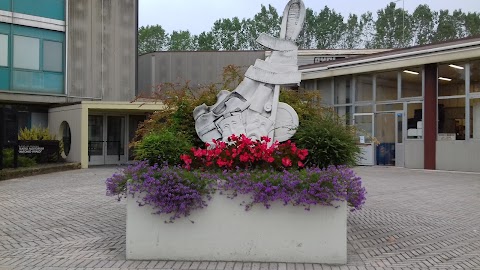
x=198, y=15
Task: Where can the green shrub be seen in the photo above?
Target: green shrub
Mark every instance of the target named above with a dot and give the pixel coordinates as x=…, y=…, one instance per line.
x=22, y=161
x=163, y=146
x=328, y=140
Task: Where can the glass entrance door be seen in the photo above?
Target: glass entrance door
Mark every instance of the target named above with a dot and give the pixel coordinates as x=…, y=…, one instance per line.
x=115, y=140
x=364, y=125
x=106, y=139
x=95, y=140
x=389, y=132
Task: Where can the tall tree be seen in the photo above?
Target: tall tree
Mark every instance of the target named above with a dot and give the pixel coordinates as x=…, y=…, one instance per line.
x=368, y=30
x=151, y=38
x=352, y=36
x=266, y=21
x=306, y=39
x=181, y=41
x=447, y=28
x=330, y=28
x=392, y=27
x=472, y=24
x=423, y=25
x=229, y=34
x=206, y=42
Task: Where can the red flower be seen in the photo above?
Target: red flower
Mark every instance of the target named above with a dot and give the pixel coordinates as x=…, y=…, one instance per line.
x=302, y=154
x=300, y=164
x=286, y=162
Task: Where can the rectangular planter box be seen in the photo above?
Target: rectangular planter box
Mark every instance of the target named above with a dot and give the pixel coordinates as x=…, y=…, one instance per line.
x=224, y=231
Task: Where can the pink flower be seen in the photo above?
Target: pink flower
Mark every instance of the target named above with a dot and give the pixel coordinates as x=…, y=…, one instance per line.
x=300, y=164
x=286, y=162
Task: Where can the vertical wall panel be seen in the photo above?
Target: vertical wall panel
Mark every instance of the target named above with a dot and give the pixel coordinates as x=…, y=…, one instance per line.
x=102, y=49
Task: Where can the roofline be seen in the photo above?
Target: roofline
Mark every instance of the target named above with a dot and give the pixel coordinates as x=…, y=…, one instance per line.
x=422, y=54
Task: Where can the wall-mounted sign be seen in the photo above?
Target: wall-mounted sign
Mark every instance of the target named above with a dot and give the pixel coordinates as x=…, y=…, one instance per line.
x=30, y=149
x=323, y=59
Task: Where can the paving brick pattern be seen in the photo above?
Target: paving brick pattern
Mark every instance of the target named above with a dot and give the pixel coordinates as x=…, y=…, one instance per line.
x=412, y=220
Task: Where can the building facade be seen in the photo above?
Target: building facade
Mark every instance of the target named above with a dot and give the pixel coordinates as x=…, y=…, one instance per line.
x=421, y=104
x=202, y=68
x=70, y=65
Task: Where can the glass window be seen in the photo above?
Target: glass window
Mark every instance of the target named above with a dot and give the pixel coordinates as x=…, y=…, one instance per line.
x=364, y=88
x=411, y=82
x=414, y=121
x=451, y=119
x=364, y=109
x=3, y=50
x=387, y=87
x=390, y=107
x=345, y=112
x=342, y=91
x=475, y=118
x=26, y=52
x=325, y=88
x=95, y=135
x=451, y=79
x=52, y=56
x=475, y=77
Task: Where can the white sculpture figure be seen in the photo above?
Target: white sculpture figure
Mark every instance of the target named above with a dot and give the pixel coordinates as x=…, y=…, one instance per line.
x=253, y=107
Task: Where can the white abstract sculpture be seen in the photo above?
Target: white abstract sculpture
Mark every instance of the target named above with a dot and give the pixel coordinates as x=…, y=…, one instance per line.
x=253, y=107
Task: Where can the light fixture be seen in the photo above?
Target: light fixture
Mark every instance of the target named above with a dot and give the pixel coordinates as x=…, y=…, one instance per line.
x=411, y=72
x=455, y=66
x=444, y=79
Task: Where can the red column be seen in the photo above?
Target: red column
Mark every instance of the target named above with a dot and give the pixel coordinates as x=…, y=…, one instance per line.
x=430, y=117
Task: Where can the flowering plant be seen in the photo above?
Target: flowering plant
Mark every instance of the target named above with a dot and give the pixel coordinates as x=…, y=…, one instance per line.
x=243, y=152
x=177, y=191
x=307, y=187
x=169, y=190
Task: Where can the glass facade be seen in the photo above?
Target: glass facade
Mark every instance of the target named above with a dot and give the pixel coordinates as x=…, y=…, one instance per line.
x=36, y=57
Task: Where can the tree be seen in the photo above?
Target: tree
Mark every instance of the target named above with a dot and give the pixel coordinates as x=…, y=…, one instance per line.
x=266, y=21
x=206, y=42
x=229, y=34
x=472, y=24
x=352, y=37
x=368, y=30
x=329, y=30
x=306, y=39
x=151, y=38
x=392, y=27
x=446, y=28
x=181, y=41
x=423, y=25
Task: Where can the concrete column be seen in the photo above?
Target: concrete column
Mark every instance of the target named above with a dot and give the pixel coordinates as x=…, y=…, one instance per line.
x=476, y=120
x=430, y=117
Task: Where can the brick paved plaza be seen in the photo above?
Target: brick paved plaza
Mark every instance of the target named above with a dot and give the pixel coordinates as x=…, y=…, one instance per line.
x=412, y=220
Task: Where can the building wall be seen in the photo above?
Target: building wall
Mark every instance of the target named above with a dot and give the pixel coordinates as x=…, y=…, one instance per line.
x=73, y=115
x=458, y=156
x=102, y=49
x=199, y=68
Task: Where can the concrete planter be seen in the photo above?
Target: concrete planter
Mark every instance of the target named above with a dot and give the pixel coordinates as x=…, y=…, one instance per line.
x=224, y=231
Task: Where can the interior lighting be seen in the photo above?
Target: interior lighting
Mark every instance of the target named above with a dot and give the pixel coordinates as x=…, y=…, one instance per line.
x=444, y=79
x=455, y=66
x=411, y=72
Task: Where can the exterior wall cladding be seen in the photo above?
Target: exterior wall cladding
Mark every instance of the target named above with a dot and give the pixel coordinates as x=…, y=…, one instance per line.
x=102, y=49
x=94, y=51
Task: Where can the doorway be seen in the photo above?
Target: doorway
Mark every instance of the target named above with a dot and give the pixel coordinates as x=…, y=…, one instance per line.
x=106, y=139
x=389, y=132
